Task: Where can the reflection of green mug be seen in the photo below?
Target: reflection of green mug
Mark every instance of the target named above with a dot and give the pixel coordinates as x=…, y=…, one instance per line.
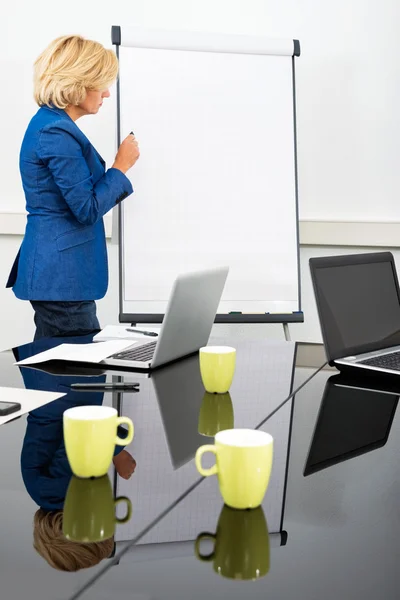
x=241, y=544
x=216, y=414
x=89, y=510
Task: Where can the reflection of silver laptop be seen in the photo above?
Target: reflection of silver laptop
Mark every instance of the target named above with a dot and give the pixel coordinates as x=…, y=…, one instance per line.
x=180, y=392
x=358, y=302
x=187, y=323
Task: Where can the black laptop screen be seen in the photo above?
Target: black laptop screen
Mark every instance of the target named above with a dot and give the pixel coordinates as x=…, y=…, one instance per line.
x=358, y=306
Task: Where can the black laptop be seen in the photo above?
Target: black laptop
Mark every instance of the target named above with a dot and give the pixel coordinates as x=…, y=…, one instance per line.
x=358, y=302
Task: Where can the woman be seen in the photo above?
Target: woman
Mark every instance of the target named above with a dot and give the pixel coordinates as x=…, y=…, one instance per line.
x=62, y=263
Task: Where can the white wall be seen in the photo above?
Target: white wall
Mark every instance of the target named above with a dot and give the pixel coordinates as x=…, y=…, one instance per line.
x=348, y=86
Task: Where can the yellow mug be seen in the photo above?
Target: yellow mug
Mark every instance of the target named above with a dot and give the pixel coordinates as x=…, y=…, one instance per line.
x=90, y=436
x=89, y=510
x=241, y=544
x=216, y=414
x=217, y=368
x=243, y=465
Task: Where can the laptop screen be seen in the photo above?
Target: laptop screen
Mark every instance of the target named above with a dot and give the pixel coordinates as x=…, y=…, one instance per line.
x=358, y=306
x=351, y=422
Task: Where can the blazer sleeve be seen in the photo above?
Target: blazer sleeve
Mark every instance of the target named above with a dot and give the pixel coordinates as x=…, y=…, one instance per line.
x=61, y=152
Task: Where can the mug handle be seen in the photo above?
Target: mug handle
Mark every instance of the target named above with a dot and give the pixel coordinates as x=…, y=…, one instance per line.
x=125, y=441
x=128, y=509
x=199, y=555
x=200, y=451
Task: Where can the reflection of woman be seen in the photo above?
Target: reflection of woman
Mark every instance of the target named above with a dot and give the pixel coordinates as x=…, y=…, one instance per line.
x=62, y=264
x=49, y=542
x=46, y=474
x=44, y=464
x=45, y=469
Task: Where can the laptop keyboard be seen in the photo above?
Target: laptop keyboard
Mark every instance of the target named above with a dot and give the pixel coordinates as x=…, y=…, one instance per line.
x=387, y=361
x=141, y=354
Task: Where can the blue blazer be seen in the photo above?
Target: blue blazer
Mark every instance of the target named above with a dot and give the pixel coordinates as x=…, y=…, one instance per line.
x=63, y=256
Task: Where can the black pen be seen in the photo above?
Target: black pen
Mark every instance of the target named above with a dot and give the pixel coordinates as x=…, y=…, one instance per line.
x=105, y=386
x=152, y=333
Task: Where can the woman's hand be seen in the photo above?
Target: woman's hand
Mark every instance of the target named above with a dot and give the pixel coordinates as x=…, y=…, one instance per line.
x=127, y=154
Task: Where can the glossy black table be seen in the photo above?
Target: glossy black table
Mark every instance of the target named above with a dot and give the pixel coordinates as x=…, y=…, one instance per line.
x=331, y=506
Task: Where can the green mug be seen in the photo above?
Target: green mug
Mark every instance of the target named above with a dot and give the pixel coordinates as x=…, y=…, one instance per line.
x=89, y=510
x=241, y=544
x=243, y=465
x=216, y=414
x=217, y=368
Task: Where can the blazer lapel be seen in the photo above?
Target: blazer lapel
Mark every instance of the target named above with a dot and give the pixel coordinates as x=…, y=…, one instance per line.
x=103, y=163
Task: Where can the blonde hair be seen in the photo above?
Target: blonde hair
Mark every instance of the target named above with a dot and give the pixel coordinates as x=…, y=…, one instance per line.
x=69, y=67
x=60, y=553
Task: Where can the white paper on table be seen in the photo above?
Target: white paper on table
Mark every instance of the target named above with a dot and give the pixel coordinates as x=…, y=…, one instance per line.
x=93, y=353
x=112, y=332
x=28, y=399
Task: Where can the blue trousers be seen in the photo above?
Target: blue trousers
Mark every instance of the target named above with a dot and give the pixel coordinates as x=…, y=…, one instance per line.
x=64, y=318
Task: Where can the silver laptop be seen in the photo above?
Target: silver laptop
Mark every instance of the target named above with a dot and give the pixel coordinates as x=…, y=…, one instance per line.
x=187, y=323
x=358, y=301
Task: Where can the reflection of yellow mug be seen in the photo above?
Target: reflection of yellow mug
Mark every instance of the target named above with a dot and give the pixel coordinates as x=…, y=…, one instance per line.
x=90, y=436
x=216, y=414
x=241, y=544
x=89, y=510
x=243, y=465
x=217, y=367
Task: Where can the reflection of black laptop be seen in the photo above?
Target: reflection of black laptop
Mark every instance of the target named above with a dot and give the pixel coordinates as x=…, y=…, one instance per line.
x=358, y=301
x=354, y=418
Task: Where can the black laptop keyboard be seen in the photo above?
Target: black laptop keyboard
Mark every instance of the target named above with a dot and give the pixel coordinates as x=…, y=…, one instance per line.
x=386, y=361
x=141, y=354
